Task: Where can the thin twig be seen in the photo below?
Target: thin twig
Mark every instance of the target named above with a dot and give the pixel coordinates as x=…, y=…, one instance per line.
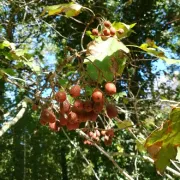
x=108, y=156
x=80, y=153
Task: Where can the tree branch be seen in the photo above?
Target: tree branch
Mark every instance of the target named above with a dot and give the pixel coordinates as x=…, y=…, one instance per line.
x=20, y=114
x=80, y=153
x=176, y=173
x=108, y=156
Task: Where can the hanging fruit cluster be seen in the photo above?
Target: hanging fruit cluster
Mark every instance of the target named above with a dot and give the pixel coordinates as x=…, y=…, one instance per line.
x=107, y=31
x=80, y=111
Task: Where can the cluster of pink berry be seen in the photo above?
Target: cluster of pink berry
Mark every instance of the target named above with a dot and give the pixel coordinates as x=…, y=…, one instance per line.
x=108, y=31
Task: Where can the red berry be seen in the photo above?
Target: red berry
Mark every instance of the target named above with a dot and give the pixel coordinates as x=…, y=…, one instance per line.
x=97, y=96
x=75, y=91
x=88, y=106
x=97, y=107
x=112, y=31
x=91, y=134
x=34, y=107
x=48, y=116
x=106, y=32
x=103, y=132
x=107, y=24
x=110, y=88
x=95, y=32
x=78, y=105
x=63, y=120
x=72, y=126
x=60, y=96
x=104, y=38
x=72, y=117
x=53, y=126
x=97, y=133
x=110, y=132
x=92, y=116
x=108, y=141
x=120, y=31
x=65, y=107
x=83, y=116
x=43, y=122
x=111, y=110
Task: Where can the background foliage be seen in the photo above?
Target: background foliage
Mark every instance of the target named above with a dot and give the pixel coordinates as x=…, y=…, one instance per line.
x=147, y=89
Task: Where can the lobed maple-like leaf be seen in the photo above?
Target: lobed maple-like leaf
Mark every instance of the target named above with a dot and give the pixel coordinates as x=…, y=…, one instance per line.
x=105, y=59
x=70, y=9
x=163, y=142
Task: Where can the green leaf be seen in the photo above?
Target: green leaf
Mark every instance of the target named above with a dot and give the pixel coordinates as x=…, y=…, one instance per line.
x=127, y=29
x=124, y=124
x=140, y=145
x=156, y=51
x=98, y=49
x=33, y=66
x=71, y=9
x=105, y=59
x=9, y=71
x=119, y=95
x=163, y=159
x=63, y=82
x=163, y=142
x=6, y=43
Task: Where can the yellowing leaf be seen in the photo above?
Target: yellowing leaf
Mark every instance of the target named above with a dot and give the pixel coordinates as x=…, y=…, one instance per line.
x=156, y=51
x=98, y=50
x=163, y=142
x=124, y=124
x=71, y=9
x=126, y=28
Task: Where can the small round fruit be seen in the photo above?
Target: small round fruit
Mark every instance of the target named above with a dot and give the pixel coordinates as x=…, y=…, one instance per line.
x=47, y=115
x=110, y=132
x=97, y=96
x=104, y=38
x=72, y=126
x=34, y=107
x=78, y=105
x=91, y=134
x=112, y=31
x=111, y=110
x=103, y=132
x=120, y=31
x=43, y=122
x=63, y=120
x=110, y=88
x=65, y=107
x=72, y=117
x=92, y=116
x=107, y=24
x=75, y=91
x=108, y=142
x=97, y=107
x=60, y=96
x=97, y=133
x=95, y=32
x=88, y=106
x=106, y=32
x=53, y=126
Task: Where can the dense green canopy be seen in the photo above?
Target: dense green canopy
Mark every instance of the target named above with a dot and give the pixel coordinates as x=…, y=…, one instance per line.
x=46, y=48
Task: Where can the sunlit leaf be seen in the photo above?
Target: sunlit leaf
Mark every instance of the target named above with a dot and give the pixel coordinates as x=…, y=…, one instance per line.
x=125, y=124
x=98, y=50
x=163, y=142
x=119, y=95
x=71, y=9
x=126, y=28
x=154, y=50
